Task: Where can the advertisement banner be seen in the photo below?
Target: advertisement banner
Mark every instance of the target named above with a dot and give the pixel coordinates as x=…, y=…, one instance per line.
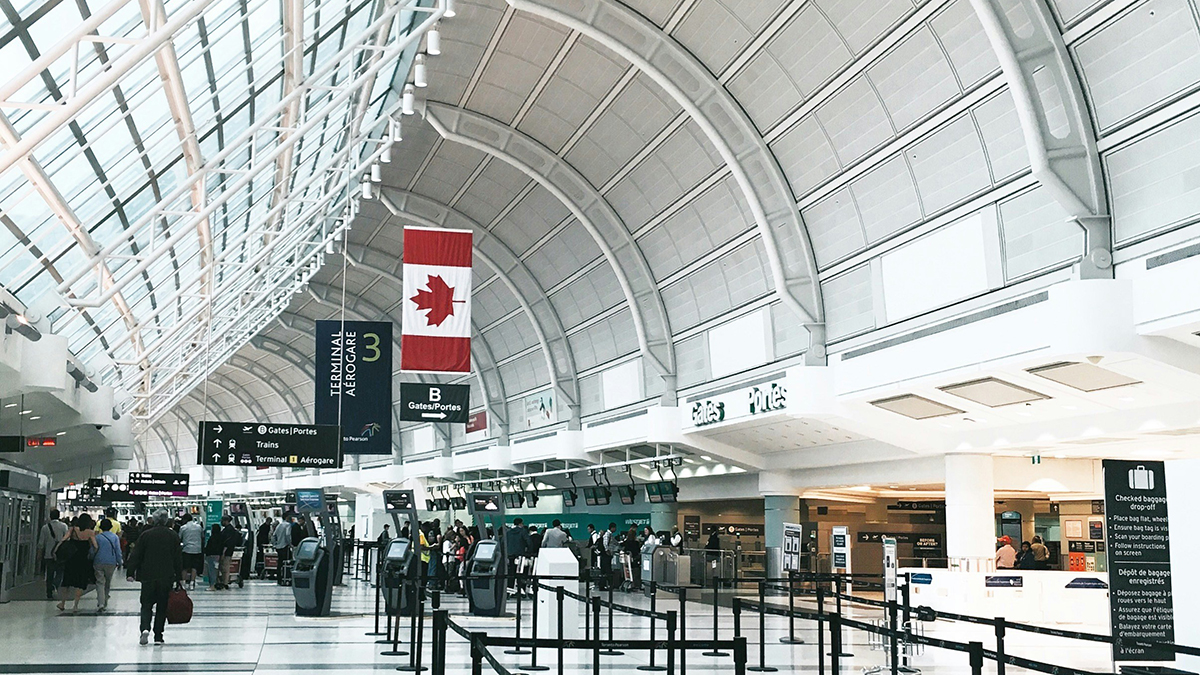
x=435, y=330
x=213, y=509
x=1139, y=558
x=793, y=545
x=354, y=380
x=539, y=409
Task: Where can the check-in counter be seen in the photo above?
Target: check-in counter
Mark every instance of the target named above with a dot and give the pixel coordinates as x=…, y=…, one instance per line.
x=1079, y=599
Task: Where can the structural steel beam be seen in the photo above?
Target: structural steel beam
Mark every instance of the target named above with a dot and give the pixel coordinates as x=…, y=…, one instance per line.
x=751, y=162
x=277, y=385
x=168, y=444
x=1054, y=120
x=516, y=276
x=588, y=206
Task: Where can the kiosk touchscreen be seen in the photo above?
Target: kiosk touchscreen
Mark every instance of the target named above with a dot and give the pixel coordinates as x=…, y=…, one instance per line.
x=312, y=574
x=401, y=560
x=487, y=564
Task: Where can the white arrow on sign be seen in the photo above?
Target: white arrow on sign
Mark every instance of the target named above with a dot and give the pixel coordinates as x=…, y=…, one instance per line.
x=216, y=456
x=433, y=416
x=218, y=428
x=217, y=442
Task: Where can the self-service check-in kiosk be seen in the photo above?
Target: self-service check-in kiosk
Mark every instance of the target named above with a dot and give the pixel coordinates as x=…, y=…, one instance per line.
x=487, y=563
x=401, y=558
x=664, y=566
x=312, y=574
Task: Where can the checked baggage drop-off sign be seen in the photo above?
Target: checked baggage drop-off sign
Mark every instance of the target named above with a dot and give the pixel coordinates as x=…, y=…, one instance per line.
x=421, y=402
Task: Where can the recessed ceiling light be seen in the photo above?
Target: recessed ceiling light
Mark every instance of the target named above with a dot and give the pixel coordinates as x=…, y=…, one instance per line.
x=26, y=412
x=993, y=393
x=706, y=458
x=10, y=405
x=61, y=433
x=36, y=417
x=1082, y=376
x=916, y=407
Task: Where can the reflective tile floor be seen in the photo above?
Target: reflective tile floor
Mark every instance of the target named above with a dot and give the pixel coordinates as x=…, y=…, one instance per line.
x=254, y=630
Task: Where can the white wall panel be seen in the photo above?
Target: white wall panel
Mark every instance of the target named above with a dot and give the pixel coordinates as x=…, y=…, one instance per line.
x=1037, y=234
x=715, y=30
x=622, y=384
x=805, y=155
x=913, y=79
x=961, y=35
x=587, y=73
x=1003, y=140
x=862, y=22
x=709, y=221
x=849, y=303
x=834, y=227
x=587, y=296
x=949, y=165
x=936, y=270
x=855, y=120
x=1154, y=182
x=684, y=159
x=564, y=254
x=739, y=344
x=887, y=199
x=639, y=112
x=495, y=187
x=604, y=341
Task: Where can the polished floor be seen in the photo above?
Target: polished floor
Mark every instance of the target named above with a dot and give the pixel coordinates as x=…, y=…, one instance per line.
x=254, y=630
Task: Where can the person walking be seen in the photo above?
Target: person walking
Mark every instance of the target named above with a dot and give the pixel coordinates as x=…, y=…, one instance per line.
x=106, y=561
x=212, y=557
x=231, y=539
x=50, y=535
x=191, y=534
x=157, y=562
x=74, y=552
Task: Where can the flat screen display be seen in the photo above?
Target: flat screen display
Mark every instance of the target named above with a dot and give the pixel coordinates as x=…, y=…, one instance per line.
x=398, y=549
x=238, y=509
x=513, y=500
x=485, y=550
x=489, y=502
x=458, y=503
x=652, y=493
x=628, y=493
x=145, y=484
x=430, y=505
x=661, y=492
x=307, y=550
x=442, y=504
x=596, y=496
x=310, y=500
x=398, y=500
x=569, y=497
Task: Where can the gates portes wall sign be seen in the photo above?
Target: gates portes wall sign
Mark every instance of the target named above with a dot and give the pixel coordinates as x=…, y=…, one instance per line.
x=421, y=402
x=757, y=399
x=255, y=444
x=1139, y=558
x=354, y=383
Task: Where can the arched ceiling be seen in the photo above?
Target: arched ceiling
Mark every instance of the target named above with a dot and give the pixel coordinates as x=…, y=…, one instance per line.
x=638, y=172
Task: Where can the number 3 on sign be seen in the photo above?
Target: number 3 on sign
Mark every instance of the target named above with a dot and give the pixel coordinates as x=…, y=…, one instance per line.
x=373, y=346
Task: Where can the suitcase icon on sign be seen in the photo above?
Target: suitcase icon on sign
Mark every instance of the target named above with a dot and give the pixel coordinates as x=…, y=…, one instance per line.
x=1141, y=478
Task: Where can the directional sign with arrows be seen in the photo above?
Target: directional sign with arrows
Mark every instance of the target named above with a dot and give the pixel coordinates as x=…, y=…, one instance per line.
x=421, y=402
x=304, y=446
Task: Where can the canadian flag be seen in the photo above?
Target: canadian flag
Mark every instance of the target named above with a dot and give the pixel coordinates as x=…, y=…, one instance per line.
x=435, y=330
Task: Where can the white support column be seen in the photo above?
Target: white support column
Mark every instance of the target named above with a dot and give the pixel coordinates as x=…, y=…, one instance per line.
x=970, y=512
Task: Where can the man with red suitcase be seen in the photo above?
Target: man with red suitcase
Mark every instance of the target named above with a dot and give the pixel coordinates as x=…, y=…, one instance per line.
x=157, y=562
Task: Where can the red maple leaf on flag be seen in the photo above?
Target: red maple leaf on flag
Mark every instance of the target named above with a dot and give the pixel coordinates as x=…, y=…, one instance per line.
x=438, y=298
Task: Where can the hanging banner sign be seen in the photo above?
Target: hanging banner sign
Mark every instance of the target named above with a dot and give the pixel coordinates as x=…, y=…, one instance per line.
x=420, y=402
x=477, y=421
x=752, y=401
x=298, y=446
x=435, y=333
x=1139, y=558
x=354, y=384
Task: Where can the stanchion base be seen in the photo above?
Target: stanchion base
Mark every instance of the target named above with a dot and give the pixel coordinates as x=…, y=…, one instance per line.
x=383, y=642
x=518, y=651
x=843, y=654
x=533, y=668
x=714, y=653
x=762, y=669
x=411, y=669
x=375, y=632
x=611, y=652
x=394, y=652
x=653, y=669
x=791, y=640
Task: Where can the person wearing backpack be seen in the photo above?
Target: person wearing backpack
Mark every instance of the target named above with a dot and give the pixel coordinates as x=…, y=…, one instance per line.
x=106, y=561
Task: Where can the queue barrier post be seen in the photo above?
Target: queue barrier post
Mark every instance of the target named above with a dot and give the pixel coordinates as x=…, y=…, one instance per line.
x=894, y=636
x=682, y=628
x=835, y=643
x=610, y=651
x=739, y=655
x=596, y=633
x=716, y=617
x=737, y=616
x=378, y=595
x=559, y=596
x=477, y=653
x=533, y=664
x=518, y=650
x=1001, y=626
x=762, y=666
x=416, y=629
x=820, y=627
x=672, y=617
x=790, y=638
x=837, y=581
x=653, y=611
x=976, y=652
x=438, y=663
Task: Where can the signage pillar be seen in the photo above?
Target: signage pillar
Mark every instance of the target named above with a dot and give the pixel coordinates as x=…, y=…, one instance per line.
x=777, y=510
x=970, y=513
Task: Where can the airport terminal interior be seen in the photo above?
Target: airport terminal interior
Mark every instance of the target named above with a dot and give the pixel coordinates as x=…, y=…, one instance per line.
x=600, y=336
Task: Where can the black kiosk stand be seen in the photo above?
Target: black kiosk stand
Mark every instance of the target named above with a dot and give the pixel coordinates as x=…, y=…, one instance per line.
x=401, y=559
x=487, y=565
x=312, y=575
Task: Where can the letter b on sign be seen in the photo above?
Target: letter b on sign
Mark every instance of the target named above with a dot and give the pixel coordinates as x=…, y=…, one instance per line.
x=435, y=394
